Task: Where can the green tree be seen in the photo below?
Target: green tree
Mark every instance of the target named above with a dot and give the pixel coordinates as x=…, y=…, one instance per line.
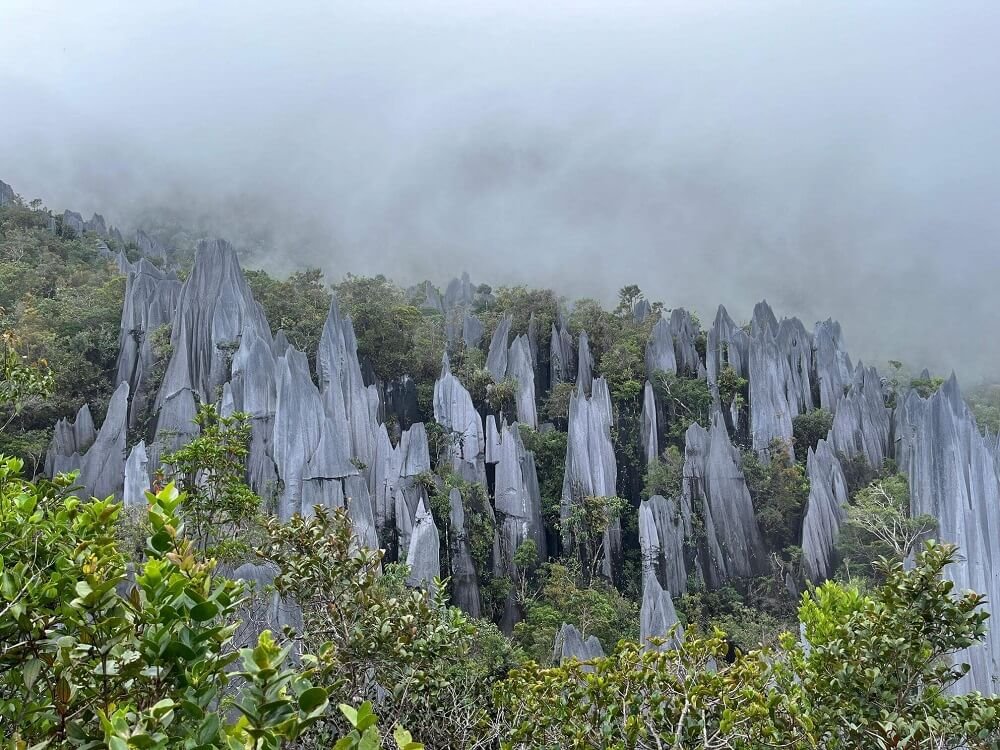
x=808, y=429
x=665, y=475
x=881, y=511
x=779, y=488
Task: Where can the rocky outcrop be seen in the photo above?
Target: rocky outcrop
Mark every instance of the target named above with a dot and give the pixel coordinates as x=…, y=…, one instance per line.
x=571, y=646
x=399, y=402
x=657, y=617
x=591, y=469
x=136, y=477
x=584, y=365
x=521, y=368
x=358, y=502
x=150, y=302
x=861, y=424
x=796, y=346
x=772, y=405
x=472, y=331
x=663, y=526
x=492, y=440
x=715, y=489
x=423, y=555
x=254, y=391
x=518, y=504
x=641, y=310
x=561, y=361
x=684, y=332
x=102, y=467
x=464, y=579
x=455, y=412
x=728, y=346
x=660, y=356
x=7, y=194
x=73, y=222
x=496, y=358
x=150, y=247
x=647, y=422
x=96, y=225
x=831, y=363
x=70, y=440
x=825, y=512
x=953, y=477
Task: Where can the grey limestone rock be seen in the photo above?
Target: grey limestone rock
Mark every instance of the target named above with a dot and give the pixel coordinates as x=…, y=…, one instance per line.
x=73, y=221
x=796, y=347
x=520, y=367
x=123, y=264
x=763, y=319
x=102, y=467
x=650, y=442
x=384, y=479
x=824, y=513
x=454, y=410
x=561, y=363
x=492, y=440
x=136, y=477
x=642, y=310
x=7, y=194
x=459, y=293
x=714, y=483
x=496, y=358
x=728, y=344
x=70, y=440
x=149, y=246
x=861, y=424
x=663, y=527
x=464, y=581
x=685, y=333
x=570, y=645
x=591, y=469
x=358, y=501
x=472, y=331
x=265, y=609
x=657, y=616
x=584, y=365
x=771, y=410
x=517, y=500
x=953, y=477
x=834, y=371
x=660, y=356
x=423, y=555
x=97, y=225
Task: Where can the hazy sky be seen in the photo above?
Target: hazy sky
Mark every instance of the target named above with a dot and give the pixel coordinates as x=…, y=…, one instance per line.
x=838, y=158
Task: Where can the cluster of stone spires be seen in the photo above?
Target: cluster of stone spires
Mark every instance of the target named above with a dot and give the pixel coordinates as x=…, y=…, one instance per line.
x=324, y=440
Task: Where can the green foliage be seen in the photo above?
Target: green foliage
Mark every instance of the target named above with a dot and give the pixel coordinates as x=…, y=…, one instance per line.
x=686, y=400
x=732, y=387
x=596, y=609
x=297, y=305
x=879, y=516
x=926, y=387
x=364, y=734
x=588, y=519
x=22, y=383
x=808, y=429
x=220, y=511
x=779, y=488
x=556, y=406
x=665, y=475
x=984, y=401
x=550, y=464
x=755, y=616
x=521, y=302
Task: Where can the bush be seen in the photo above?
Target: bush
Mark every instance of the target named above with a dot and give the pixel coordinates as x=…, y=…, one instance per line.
x=808, y=429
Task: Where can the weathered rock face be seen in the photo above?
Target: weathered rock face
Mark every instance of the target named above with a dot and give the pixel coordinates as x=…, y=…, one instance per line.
x=663, y=527
x=684, y=333
x=423, y=556
x=642, y=310
x=464, y=579
x=150, y=302
x=657, y=617
x=136, y=477
x=455, y=412
x=728, y=344
x=833, y=366
x=660, y=356
x=518, y=503
x=561, y=361
x=472, y=331
x=496, y=358
x=73, y=221
x=953, y=477
x=714, y=486
x=7, y=194
x=96, y=225
x=570, y=645
x=399, y=402
x=591, y=469
x=358, y=502
x=861, y=424
x=102, y=467
x=150, y=247
x=649, y=436
x=796, y=347
x=824, y=511
x=520, y=367
x=214, y=309
x=585, y=366
x=70, y=440
x=763, y=318
x=271, y=611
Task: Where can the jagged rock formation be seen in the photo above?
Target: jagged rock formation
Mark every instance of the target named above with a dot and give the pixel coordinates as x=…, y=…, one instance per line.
x=520, y=367
x=518, y=503
x=70, y=440
x=136, y=477
x=642, y=310
x=833, y=366
x=570, y=645
x=561, y=362
x=472, y=331
x=7, y=194
x=73, y=221
x=455, y=412
x=657, y=616
x=591, y=469
x=728, y=344
x=684, y=333
x=861, y=424
x=464, y=580
x=796, y=347
x=150, y=247
x=771, y=411
x=102, y=467
x=647, y=421
x=953, y=477
x=496, y=358
x=824, y=513
x=150, y=301
x=584, y=366
x=398, y=402
x=714, y=488
x=96, y=225
x=663, y=527
x=423, y=555
x=266, y=610
x=660, y=356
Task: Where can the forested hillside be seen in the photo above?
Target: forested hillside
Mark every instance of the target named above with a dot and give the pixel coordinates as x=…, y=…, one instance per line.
x=439, y=501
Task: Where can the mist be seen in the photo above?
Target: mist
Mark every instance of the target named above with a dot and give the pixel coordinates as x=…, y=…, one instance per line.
x=839, y=159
